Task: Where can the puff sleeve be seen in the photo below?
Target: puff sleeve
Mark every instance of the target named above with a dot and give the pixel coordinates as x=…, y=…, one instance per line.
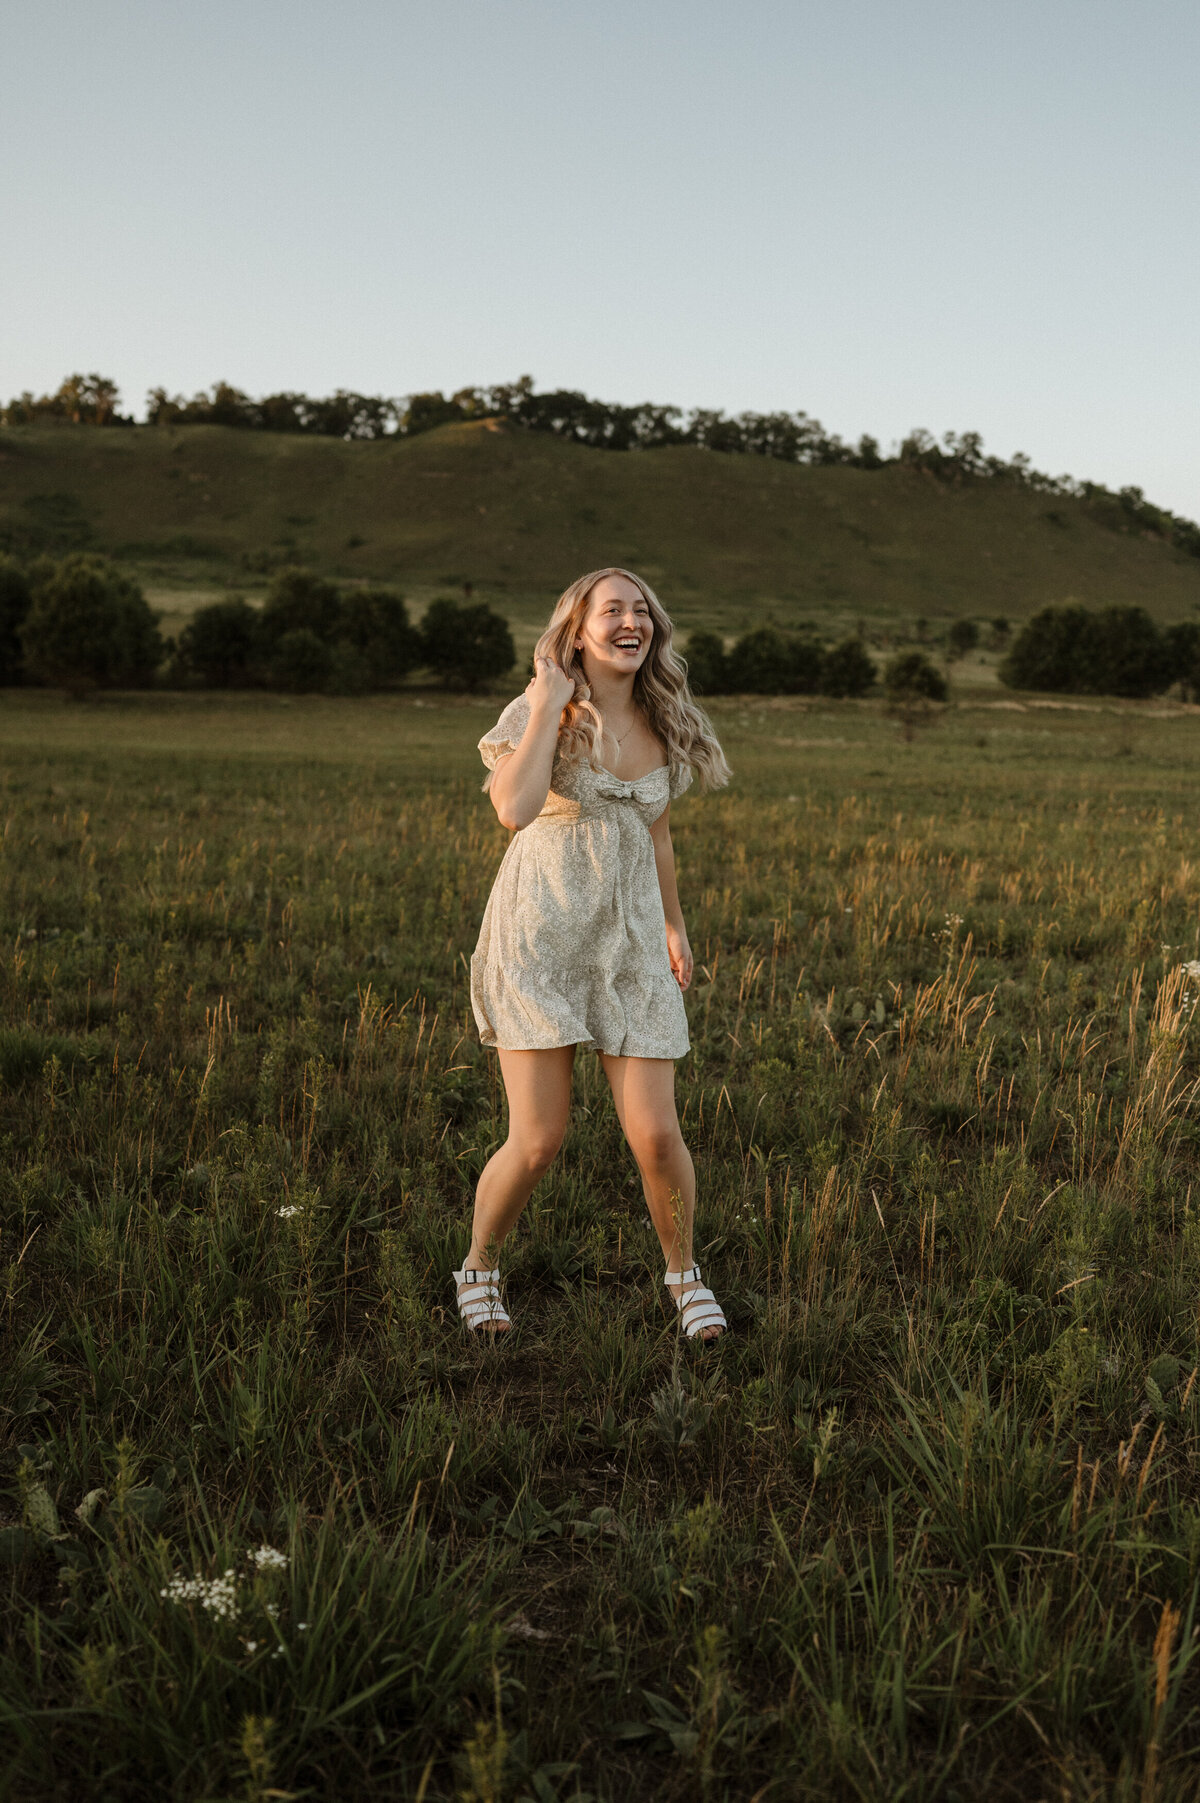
x=507, y=733
x=680, y=779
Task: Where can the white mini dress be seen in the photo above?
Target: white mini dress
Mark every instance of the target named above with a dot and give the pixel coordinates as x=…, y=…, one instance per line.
x=573, y=946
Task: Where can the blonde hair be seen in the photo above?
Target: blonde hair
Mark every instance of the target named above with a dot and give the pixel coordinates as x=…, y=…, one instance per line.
x=660, y=688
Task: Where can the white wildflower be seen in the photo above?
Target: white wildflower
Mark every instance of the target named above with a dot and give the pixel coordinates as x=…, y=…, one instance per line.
x=288, y=1210
x=251, y=1646
x=216, y=1595
x=1192, y=970
x=267, y=1558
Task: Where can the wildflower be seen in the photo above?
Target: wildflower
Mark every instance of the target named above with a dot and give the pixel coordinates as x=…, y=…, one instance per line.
x=303, y=1626
x=251, y=1646
x=218, y=1596
x=1192, y=969
x=267, y=1558
x=288, y=1210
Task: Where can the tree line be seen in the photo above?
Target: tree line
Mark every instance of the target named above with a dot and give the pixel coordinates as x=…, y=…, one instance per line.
x=957, y=458
x=82, y=624
x=1064, y=650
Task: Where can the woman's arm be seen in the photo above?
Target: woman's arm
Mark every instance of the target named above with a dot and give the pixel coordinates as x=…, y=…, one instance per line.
x=678, y=949
x=521, y=782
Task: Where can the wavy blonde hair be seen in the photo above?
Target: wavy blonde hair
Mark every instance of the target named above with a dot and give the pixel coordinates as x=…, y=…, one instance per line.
x=660, y=688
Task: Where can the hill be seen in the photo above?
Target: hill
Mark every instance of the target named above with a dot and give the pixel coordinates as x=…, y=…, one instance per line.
x=727, y=539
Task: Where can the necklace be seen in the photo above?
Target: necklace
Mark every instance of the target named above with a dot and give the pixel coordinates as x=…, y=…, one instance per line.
x=619, y=742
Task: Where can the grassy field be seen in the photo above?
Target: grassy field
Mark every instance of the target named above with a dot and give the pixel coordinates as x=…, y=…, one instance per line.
x=728, y=539
x=925, y=1525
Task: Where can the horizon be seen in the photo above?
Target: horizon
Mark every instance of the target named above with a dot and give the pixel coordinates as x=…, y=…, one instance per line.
x=894, y=219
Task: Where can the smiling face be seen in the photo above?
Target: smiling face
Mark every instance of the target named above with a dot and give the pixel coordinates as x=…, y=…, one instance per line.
x=615, y=633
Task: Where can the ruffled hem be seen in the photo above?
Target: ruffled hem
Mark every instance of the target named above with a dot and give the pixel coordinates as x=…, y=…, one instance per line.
x=524, y=1017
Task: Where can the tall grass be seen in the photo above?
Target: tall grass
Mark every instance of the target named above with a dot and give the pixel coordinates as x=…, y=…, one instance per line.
x=924, y=1525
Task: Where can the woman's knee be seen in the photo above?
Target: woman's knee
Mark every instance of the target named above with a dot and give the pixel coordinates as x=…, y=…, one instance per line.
x=537, y=1151
x=656, y=1146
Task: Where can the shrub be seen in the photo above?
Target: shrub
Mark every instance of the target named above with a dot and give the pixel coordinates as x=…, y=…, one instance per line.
x=298, y=601
x=348, y=671
x=16, y=598
x=755, y=664
x=705, y=657
x=804, y=667
x=847, y=669
x=221, y=644
x=1046, y=651
x=466, y=645
x=373, y=623
x=769, y=662
x=1130, y=655
x=300, y=661
x=911, y=677
x=89, y=626
x=1181, y=656
x=1118, y=651
x=962, y=637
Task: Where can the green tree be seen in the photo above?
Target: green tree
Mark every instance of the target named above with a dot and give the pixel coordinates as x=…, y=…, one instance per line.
x=804, y=667
x=962, y=637
x=1053, y=650
x=759, y=663
x=705, y=658
x=848, y=669
x=88, y=400
x=766, y=661
x=298, y=601
x=374, y=624
x=425, y=411
x=1131, y=656
x=466, y=646
x=89, y=626
x=16, y=598
x=1181, y=656
x=300, y=661
x=221, y=644
x=1118, y=651
x=912, y=677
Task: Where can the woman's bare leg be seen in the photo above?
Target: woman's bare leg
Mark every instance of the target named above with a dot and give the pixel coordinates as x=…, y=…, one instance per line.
x=538, y=1087
x=644, y=1093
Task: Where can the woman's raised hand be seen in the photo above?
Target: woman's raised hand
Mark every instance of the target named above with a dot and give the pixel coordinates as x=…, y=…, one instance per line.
x=550, y=686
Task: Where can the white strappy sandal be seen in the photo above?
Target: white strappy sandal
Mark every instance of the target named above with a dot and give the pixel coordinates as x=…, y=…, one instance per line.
x=699, y=1309
x=479, y=1304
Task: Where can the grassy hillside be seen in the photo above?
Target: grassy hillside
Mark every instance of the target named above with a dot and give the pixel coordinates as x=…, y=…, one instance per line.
x=727, y=538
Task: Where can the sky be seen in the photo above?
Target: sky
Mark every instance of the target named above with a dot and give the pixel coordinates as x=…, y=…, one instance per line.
x=955, y=214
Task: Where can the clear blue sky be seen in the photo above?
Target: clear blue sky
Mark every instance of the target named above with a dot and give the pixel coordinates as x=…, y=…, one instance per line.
x=948, y=213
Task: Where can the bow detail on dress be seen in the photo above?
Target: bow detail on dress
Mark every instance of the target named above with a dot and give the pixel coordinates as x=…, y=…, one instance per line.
x=644, y=788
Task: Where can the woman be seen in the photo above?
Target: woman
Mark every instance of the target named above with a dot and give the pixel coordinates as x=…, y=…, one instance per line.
x=583, y=941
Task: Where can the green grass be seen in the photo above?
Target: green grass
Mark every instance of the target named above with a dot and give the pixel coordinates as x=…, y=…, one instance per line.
x=728, y=539
x=924, y=1526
